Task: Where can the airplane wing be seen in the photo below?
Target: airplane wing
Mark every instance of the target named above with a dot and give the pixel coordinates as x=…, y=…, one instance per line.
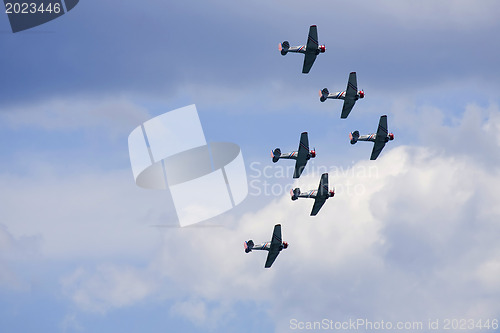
x=271, y=257
x=322, y=194
x=303, y=150
x=312, y=39
x=377, y=148
x=346, y=109
x=275, y=246
x=381, y=137
x=323, y=185
x=318, y=203
x=311, y=48
x=350, y=95
x=309, y=59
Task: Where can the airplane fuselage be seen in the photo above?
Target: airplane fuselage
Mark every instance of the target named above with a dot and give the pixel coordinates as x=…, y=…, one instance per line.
x=309, y=194
x=267, y=246
x=292, y=156
x=313, y=194
x=371, y=137
x=341, y=95
x=303, y=49
x=264, y=246
x=297, y=49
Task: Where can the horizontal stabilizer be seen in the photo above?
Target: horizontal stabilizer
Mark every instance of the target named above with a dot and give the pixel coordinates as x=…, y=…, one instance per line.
x=283, y=47
x=248, y=246
x=276, y=155
x=354, y=137
x=323, y=94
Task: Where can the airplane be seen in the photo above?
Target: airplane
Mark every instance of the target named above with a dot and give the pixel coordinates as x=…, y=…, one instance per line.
x=380, y=139
x=274, y=246
x=320, y=195
x=301, y=156
x=350, y=95
x=311, y=49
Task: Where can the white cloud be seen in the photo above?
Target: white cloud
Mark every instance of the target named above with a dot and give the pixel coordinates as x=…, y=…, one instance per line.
x=206, y=315
x=117, y=115
x=70, y=323
x=413, y=241
x=469, y=133
x=13, y=251
x=108, y=287
x=421, y=230
x=428, y=14
x=196, y=311
x=85, y=215
x=488, y=273
x=410, y=242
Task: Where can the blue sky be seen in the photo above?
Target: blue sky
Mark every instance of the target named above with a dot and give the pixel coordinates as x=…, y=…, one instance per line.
x=416, y=241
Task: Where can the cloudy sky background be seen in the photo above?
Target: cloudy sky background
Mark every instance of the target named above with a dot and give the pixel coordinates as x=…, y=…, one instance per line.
x=412, y=236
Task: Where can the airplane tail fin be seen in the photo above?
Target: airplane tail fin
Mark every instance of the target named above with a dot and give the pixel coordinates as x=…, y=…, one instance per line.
x=248, y=246
x=323, y=94
x=353, y=136
x=283, y=47
x=295, y=193
x=275, y=154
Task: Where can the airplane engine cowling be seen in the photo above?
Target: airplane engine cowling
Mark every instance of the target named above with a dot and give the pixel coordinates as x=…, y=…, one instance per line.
x=391, y=136
x=285, y=245
x=331, y=193
x=295, y=193
x=322, y=48
x=313, y=153
x=276, y=155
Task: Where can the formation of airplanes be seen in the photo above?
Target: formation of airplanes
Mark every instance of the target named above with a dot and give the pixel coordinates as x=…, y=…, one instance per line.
x=311, y=50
